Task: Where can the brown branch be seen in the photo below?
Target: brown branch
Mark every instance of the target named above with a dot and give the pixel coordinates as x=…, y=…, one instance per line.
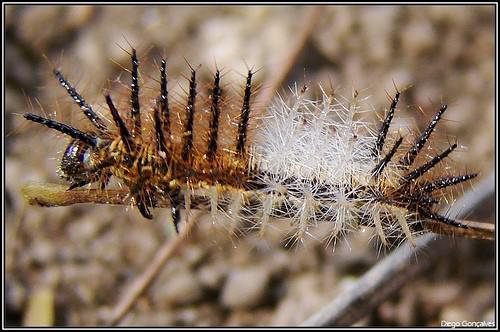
x=474, y=230
x=49, y=194
x=132, y=293
x=390, y=274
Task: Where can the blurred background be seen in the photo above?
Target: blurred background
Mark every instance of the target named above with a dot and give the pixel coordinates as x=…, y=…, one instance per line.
x=69, y=266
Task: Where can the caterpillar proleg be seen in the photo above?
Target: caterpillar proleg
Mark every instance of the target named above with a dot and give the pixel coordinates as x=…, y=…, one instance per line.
x=310, y=160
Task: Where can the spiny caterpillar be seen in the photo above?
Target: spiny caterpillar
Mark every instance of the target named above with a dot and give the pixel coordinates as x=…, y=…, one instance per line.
x=311, y=161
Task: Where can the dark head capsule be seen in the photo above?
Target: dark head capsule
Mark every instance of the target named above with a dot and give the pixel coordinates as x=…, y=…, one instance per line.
x=78, y=164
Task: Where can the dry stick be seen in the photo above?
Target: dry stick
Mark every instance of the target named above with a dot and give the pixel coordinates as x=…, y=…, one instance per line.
x=50, y=195
x=377, y=284
x=388, y=276
x=144, y=280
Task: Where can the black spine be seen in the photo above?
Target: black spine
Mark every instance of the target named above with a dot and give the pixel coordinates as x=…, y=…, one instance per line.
x=437, y=217
x=86, y=108
x=244, y=116
x=63, y=128
x=214, y=123
x=188, y=129
x=428, y=165
x=382, y=133
x=159, y=132
x=383, y=163
x=420, y=142
x=447, y=181
x=124, y=133
x=164, y=108
x=134, y=98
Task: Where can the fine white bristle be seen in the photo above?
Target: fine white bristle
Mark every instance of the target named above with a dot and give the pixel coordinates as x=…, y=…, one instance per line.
x=310, y=150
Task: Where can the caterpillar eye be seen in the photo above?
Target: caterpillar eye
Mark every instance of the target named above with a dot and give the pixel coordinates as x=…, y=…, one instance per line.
x=77, y=164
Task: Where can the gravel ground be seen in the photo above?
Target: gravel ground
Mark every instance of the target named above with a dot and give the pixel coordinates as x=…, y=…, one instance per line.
x=68, y=266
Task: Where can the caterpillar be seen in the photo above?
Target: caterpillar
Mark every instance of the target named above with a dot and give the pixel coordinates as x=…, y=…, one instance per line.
x=311, y=161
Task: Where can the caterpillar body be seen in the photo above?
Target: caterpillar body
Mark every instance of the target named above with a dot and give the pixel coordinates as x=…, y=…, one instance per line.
x=310, y=161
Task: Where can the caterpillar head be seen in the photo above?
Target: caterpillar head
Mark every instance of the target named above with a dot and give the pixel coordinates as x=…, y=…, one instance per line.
x=78, y=163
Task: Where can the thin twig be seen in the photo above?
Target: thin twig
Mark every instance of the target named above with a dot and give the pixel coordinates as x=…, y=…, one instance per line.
x=144, y=280
x=474, y=229
x=390, y=274
x=49, y=194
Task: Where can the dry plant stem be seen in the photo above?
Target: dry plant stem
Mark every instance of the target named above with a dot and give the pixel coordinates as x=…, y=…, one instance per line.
x=388, y=276
x=475, y=230
x=144, y=280
x=48, y=194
